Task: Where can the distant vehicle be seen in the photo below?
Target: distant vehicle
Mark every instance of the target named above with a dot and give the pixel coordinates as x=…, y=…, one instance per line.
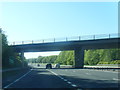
x=49, y=66
x=38, y=65
x=57, y=65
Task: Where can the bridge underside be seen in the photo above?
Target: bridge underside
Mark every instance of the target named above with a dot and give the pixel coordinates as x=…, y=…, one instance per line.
x=77, y=46
x=70, y=45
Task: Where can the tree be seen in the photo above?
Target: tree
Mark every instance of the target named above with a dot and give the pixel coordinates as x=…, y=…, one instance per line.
x=9, y=57
x=65, y=57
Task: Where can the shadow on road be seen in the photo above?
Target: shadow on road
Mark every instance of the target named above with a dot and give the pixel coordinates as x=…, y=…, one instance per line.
x=42, y=77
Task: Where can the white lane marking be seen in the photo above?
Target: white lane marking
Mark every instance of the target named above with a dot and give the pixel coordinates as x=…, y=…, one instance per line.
x=74, y=85
x=69, y=82
x=17, y=79
x=53, y=72
x=115, y=79
x=57, y=75
x=61, y=77
x=64, y=79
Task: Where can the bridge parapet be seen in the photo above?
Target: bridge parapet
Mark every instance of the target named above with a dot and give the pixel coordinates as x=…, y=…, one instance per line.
x=65, y=39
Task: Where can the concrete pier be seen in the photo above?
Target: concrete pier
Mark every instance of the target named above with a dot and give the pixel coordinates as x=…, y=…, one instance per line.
x=22, y=58
x=79, y=57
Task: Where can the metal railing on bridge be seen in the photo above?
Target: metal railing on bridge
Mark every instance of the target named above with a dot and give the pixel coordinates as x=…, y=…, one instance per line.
x=74, y=38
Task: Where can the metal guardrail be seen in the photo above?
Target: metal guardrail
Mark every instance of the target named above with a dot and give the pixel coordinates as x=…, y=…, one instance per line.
x=75, y=38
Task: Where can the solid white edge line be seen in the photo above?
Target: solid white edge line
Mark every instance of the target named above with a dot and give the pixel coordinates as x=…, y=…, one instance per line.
x=17, y=79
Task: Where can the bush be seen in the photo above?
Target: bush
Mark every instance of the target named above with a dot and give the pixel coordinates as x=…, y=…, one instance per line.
x=115, y=62
x=102, y=62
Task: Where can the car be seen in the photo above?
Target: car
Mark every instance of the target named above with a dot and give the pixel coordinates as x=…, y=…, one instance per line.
x=38, y=65
x=57, y=65
x=49, y=66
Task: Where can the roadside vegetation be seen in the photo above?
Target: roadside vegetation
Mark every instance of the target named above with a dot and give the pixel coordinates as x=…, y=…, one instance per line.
x=10, y=59
x=92, y=57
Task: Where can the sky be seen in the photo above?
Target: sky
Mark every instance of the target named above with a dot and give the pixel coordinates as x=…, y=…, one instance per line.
x=23, y=21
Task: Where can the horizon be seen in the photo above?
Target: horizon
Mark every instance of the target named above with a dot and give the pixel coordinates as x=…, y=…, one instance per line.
x=43, y=54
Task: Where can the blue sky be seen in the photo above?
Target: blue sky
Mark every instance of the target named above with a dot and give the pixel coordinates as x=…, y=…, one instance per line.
x=39, y=20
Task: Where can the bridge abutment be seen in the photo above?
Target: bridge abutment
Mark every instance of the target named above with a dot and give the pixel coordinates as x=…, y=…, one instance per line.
x=22, y=58
x=79, y=57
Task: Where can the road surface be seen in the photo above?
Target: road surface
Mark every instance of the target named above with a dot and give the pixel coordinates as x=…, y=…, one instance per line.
x=66, y=78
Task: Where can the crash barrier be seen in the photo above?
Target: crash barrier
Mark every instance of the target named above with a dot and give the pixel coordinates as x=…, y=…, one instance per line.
x=103, y=68
x=66, y=39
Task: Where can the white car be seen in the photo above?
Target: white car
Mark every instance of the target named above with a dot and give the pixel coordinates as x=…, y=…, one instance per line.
x=57, y=65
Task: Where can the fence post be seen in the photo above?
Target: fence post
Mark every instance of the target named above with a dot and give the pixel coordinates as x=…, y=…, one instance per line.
x=94, y=37
x=109, y=36
x=43, y=41
x=32, y=41
x=22, y=42
x=54, y=39
x=66, y=39
x=13, y=43
x=79, y=37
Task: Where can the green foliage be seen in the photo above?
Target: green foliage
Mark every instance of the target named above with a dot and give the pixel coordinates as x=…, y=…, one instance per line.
x=102, y=56
x=112, y=62
x=92, y=57
x=45, y=59
x=115, y=62
x=9, y=57
x=32, y=60
x=65, y=58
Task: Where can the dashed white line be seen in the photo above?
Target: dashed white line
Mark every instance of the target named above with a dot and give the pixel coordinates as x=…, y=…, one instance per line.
x=69, y=82
x=53, y=72
x=64, y=79
x=73, y=85
x=17, y=79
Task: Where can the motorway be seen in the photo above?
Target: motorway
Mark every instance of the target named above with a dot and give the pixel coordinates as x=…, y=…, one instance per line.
x=39, y=77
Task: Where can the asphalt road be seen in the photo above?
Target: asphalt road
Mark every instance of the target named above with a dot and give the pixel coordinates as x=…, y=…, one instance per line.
x=66, y=78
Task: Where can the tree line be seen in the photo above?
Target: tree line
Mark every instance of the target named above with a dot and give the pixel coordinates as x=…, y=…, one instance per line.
x=92, y=57
x=10, y=59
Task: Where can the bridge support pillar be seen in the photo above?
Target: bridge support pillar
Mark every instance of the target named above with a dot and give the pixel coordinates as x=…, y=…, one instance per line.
x=22, y=58
x=79, y=58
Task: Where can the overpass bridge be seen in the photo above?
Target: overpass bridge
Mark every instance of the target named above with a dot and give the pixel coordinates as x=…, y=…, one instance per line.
x=78, y=45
